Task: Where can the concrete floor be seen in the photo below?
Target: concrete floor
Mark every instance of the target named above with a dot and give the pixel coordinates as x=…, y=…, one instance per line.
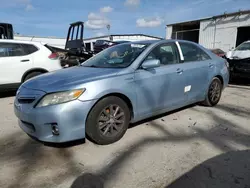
x=193, y=147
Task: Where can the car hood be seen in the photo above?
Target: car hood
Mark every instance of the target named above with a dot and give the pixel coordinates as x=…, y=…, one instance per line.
x=68, y=78
x=238, y=54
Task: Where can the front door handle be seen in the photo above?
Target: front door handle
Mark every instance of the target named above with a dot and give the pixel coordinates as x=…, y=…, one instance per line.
x=25, y=60
x=179, y=71
x=211, y=65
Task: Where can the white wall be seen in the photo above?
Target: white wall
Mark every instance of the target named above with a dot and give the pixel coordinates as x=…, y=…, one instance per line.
x=223, y=34
x=57, y=42
x=169, y=31
x=133, y=38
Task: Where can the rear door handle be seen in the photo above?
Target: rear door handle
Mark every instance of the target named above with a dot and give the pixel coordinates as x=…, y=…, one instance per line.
x=179, y=71
x=25, y=60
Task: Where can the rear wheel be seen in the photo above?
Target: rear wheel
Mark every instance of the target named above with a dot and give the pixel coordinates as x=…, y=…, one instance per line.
x=31, y=75
x=108, y=121
x=214, y=93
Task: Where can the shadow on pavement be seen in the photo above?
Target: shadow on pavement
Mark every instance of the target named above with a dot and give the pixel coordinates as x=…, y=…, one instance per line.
x=231, y=169
x=64, y=145
x=28, y=156
x=132, y=125
x=241, y=82
x=88, y=180
x=10, y=93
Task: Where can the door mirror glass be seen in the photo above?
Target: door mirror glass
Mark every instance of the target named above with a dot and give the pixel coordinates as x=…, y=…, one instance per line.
x=151, y=63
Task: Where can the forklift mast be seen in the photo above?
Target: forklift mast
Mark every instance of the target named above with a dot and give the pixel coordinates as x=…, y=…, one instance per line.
x=6, y=31
x=74, y=40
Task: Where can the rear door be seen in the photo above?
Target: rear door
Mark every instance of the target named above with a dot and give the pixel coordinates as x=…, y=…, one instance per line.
x=15, y=60
x=198, y=65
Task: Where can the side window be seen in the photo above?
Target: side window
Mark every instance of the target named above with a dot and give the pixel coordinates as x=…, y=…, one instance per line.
x=29, y=48
x=3, y=51
x=193, y=53
x=166, y=53
x=11, y=50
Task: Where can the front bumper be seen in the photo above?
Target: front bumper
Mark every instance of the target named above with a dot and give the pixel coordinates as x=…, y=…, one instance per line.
x=69, y=118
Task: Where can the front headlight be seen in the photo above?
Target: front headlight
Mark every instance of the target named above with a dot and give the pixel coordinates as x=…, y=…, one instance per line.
x=60, y=97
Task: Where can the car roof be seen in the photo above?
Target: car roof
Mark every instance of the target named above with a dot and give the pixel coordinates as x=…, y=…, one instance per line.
x=162, y=40
x=20, y=41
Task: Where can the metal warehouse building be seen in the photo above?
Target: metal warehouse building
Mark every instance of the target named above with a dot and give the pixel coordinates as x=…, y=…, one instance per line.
x=222, y=31
x=89, y=42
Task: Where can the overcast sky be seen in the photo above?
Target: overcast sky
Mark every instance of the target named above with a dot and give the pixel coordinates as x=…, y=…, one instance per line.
x=52, y=17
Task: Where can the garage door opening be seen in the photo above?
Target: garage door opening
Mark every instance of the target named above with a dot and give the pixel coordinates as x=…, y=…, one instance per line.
x=187, y=31
x=243, y=35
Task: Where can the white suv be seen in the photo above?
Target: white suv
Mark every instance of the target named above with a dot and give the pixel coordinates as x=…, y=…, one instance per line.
x=22, y=60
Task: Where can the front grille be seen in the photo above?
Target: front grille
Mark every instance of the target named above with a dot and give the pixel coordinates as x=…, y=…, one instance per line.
x=26, y=100
x=29, y=125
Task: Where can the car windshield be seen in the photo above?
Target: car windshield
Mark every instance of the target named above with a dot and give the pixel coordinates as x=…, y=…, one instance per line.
x=119, y=56
x=243, y=46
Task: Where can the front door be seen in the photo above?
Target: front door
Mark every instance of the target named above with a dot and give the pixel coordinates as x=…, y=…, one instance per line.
x=13, y=62
x=161, y=87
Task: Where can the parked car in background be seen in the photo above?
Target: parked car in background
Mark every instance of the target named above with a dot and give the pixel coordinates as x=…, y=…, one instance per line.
x=240, y=52
x=120, y=85
x=22, y=60
x=103, y=44
x=239, y=61
x=218, y=52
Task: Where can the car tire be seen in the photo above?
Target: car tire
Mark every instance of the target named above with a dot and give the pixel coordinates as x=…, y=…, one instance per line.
x=213, y=93
x=105, y=123
x=31, y=75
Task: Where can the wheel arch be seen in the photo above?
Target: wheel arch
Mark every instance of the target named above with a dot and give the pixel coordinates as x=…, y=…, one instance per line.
x=221, y=79
x=33, y=70
x=122, y=96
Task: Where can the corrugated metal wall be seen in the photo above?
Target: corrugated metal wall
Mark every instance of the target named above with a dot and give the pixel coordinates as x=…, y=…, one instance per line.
x=222, y=33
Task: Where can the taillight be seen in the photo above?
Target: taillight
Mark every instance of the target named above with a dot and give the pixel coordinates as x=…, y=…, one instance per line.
x=53, y=56
x=226, y=63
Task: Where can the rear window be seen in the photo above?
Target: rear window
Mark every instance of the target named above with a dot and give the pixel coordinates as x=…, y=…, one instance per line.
x=29, y=48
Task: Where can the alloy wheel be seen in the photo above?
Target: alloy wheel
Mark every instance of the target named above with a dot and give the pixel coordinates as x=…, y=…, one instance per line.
x=111, y=120
x=214, y=91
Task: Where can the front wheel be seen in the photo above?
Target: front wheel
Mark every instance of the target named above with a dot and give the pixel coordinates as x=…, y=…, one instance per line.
x=108, y=121
x=213, y=93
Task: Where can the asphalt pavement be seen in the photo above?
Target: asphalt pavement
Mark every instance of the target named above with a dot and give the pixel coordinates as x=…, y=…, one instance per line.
x=192, y=147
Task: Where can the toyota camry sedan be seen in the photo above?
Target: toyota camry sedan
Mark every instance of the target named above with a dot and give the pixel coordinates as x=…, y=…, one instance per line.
x=118, y=86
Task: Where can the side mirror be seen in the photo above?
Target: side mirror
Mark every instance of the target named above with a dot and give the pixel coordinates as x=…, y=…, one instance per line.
x=151, y=63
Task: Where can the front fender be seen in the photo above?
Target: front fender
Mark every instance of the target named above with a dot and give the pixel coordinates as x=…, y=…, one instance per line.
x=123, y=85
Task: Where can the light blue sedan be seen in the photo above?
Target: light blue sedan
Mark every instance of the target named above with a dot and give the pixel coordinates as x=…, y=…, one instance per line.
x=120, y=85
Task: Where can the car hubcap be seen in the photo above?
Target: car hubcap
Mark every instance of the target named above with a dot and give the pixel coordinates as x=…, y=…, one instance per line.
x=214, y=92
x=111, y=120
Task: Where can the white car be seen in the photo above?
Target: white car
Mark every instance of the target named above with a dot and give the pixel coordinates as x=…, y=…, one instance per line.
x=240, y=52
x=22, y=60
